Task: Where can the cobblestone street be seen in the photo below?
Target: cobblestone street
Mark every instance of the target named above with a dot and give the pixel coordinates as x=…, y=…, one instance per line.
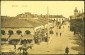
x=42, y=27
x=56, y=44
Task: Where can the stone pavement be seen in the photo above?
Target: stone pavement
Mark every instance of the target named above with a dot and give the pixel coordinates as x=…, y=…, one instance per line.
x=56, y=44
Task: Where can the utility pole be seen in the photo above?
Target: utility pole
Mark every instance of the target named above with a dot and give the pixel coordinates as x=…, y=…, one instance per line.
x=48, y=30
x=48, y=22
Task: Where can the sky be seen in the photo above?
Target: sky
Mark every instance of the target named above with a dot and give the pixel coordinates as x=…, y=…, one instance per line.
x=65, y=8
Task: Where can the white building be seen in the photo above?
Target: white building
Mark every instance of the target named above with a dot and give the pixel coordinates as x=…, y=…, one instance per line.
x=58, y=18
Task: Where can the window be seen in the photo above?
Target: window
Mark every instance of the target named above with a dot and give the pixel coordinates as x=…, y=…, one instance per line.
x=2, y=32
x=18, y=32
x=10, y=32
x=27, y=32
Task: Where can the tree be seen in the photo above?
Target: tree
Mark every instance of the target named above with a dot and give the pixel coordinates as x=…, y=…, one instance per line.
x=77, y=25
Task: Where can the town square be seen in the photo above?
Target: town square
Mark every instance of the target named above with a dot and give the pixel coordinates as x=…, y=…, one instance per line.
x=42, y=27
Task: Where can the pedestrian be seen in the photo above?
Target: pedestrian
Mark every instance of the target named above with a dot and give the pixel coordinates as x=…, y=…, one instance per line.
x=59, y=27
x=20, y=48
x=57, y=33
x=25, y=51
x=60, y=33
x=66, y=50
x=68, y=26
x=63, y=26
x=14, y=45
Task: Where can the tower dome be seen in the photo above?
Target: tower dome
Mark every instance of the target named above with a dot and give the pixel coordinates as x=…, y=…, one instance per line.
x=75, y=9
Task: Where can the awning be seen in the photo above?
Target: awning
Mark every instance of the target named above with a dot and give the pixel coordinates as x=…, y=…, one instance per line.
x=15, y=36
x=5, y=36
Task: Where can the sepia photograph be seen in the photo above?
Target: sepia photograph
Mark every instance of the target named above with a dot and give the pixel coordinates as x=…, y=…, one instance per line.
x=42, y=28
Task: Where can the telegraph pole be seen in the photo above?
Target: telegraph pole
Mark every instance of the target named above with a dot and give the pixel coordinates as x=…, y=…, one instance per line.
x=48, y=30
x=48, y=22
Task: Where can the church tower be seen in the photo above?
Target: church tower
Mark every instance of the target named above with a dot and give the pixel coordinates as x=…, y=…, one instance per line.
x=75, y=11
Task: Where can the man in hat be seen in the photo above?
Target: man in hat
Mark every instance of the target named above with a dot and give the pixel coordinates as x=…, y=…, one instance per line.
x=66, y=50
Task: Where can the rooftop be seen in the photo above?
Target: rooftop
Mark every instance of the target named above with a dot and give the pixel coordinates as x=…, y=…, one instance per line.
x=21, y=23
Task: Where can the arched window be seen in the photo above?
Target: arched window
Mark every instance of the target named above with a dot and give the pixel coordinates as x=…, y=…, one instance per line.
x=18, y=32
x=27, y=32
x=2, y=32
x=10, y=32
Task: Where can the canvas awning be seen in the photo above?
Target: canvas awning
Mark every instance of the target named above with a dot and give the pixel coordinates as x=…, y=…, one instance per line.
x=5, y=36
x=15, y=36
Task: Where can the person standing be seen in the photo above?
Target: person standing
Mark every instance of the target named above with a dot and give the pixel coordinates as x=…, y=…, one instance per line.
x=20, y=48
x=60, y=33
x=63, y=26
x=57, y=33
x=14, y=45
x=66, y=50
x=68, y=26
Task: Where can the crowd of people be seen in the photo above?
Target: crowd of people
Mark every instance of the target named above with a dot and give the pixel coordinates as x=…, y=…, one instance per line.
x=40, y=36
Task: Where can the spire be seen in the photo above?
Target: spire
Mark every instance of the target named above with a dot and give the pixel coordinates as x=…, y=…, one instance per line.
x=47, y=12
x=75, y=9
